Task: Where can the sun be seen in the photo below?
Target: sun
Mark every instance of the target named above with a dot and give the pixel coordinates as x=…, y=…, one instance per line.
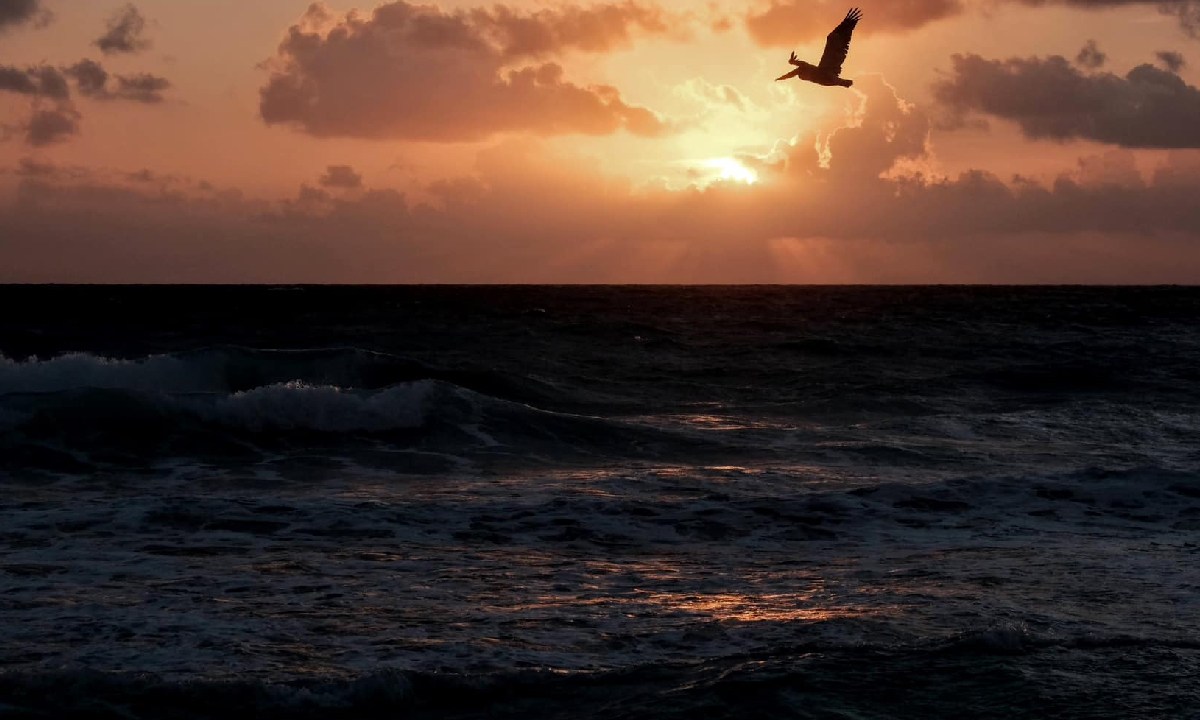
x=731, y=169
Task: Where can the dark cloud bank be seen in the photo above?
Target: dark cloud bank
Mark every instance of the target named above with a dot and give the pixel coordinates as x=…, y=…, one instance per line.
x=1051, y=99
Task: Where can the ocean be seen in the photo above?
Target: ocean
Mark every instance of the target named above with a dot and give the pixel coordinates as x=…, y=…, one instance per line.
x=599, y=502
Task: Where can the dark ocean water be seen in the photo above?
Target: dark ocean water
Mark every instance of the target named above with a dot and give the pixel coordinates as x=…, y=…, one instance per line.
x=604, y=502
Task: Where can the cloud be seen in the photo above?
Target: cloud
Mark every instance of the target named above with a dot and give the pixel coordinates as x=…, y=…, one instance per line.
x=829, y=207
x=143, y=88
x=16, y=12
x=417, y=72
x=48, y=126
x=33, y=168
x=53, y=117
x=91, y=79
x=784, y=23
x=1171, y=60
x=1187, y=12
x=714, y=95
x=1051, y=100
x=1090, y=56
x=125, y=33
x=341, y=176
x=596, y=29
x=791, y=22
x=39, y=81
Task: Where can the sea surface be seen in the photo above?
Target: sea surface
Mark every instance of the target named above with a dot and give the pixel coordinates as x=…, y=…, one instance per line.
x=599, y=502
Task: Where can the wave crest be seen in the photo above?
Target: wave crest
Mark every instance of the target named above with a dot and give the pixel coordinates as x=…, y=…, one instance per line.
x=218, y=369
x=299, y=406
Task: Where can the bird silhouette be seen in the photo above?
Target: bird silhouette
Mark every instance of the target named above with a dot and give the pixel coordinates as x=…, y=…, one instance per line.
x=837, y=46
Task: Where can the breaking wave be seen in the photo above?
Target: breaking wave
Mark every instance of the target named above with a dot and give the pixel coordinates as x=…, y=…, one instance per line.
x=220, y=400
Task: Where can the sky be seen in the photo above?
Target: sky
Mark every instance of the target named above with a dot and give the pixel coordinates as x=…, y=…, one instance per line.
x=618, y=141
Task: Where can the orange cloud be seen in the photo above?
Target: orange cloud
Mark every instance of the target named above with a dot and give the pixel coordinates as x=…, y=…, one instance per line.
x=418, y=72
x=342, y=177
x=596, y=29
x=790, y=22
x=1187, y=12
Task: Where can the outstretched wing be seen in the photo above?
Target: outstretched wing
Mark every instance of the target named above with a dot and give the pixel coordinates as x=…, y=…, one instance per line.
x=837, y=44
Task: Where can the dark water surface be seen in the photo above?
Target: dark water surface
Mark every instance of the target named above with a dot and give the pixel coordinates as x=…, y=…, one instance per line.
x=609, y=502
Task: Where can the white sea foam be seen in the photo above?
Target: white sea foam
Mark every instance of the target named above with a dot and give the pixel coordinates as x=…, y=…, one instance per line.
x=297, y=405
x=216, y=369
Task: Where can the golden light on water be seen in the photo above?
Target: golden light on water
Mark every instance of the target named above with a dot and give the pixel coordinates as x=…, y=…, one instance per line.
x=768, y=607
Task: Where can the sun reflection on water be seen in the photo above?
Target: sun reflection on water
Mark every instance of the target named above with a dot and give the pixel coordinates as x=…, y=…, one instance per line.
x=768, y=607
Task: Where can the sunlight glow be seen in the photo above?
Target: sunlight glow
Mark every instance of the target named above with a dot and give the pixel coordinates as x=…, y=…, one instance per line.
x=732, y=169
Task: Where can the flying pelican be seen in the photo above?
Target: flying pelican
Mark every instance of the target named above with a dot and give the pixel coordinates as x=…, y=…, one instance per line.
x=837, y=46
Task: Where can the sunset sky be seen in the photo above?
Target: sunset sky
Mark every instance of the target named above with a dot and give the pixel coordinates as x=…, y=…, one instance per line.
x=1002, y=141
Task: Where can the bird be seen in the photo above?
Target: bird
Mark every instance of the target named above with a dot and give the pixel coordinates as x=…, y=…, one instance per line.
x=837, y=46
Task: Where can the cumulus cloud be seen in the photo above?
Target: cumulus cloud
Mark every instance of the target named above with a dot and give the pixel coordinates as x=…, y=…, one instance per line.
x=1090, y=56
x=125, y=33
x=16, y=12
x=341, y=176
x=550, y=31
x=420, y=73
x=1171, y=60
x=790, y=22
x=1050, y=99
